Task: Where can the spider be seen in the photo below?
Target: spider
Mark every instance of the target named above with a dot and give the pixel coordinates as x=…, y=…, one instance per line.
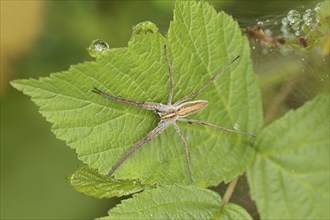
x=170, y=113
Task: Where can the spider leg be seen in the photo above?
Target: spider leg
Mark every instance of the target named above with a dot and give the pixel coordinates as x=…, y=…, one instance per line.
x=185, y=144
x=144, y=105
x=216, y=76
x=151, y=135
x=191, y=121
x=170, y=92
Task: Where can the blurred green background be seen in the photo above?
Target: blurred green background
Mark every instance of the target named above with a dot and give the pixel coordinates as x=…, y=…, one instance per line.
x=41, y=37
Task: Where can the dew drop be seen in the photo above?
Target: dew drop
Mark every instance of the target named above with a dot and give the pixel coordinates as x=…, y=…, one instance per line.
x=285, y=21
x=317, y=20
x=268, y=32
x=284, y=30
x=317, y=7
x=287, y=32
x=308, y=17
x=309, y=11
x=236, y=126
x=260, y=23
x=293, y=16
x=97, y=47
x=144, y=28
x=296, y=26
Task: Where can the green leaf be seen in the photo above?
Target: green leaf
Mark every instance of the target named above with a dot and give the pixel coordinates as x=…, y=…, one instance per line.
x=176, y=202
x=234, y=212
x=200, y=43
x=289, y=178
x=91, y=183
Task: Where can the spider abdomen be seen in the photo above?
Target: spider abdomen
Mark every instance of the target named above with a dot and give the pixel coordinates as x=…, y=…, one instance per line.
x=189, y=108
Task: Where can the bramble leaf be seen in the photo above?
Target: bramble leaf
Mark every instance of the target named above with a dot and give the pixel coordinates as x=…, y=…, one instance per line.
x=176, y=202
x=91, y=183
x=232, y=212
x=200, y=43
x=289, y=178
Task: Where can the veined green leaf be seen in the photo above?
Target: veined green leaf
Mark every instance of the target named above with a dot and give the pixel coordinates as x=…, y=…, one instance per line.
x=200, y=43
x=289, y=178
x=176, y=202
x=91, y=183
x=233, y=212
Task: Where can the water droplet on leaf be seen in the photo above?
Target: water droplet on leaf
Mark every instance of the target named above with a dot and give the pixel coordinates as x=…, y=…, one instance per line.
x=144, y=28
x=97, y=47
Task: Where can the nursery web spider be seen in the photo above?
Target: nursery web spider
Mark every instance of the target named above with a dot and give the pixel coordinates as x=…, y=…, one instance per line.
x=169, y=114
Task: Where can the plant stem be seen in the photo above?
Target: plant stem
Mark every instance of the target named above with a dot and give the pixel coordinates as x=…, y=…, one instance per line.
x=229, y=191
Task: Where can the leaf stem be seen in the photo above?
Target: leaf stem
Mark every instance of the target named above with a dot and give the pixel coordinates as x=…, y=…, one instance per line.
x=229, y=191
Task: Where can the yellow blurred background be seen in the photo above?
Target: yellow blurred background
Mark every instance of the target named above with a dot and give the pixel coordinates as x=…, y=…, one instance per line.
x=18, y=33
x=42, y=37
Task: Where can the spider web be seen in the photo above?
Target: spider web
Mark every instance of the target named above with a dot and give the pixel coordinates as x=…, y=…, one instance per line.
x=289, y=76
